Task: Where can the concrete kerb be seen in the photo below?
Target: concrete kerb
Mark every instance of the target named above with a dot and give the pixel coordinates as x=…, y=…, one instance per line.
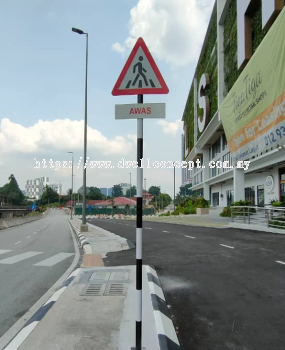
x=82, y=239
x=166, y=334
x=125, y=243
x=22, y=328
x=39, y=315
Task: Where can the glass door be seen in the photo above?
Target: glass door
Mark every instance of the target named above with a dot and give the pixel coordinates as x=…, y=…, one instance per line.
x=216, y=199
x=260, y=196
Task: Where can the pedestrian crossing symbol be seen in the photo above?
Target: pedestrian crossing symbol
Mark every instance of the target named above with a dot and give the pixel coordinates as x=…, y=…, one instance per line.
x=140, y=74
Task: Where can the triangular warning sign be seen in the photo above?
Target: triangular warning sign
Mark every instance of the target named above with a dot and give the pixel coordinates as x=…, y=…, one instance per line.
x=140, y=74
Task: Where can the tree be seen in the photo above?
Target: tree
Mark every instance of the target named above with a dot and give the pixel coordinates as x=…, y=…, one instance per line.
x=12, y=192
x=154, y=190
x=49, y=196
x=186, y=190
x=95, y=193
x=133, y=191
x=117, y=191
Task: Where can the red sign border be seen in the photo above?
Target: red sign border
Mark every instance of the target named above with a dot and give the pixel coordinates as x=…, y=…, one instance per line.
x=163, y=90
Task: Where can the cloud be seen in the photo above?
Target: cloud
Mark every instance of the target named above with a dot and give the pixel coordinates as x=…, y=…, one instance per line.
x=118, y=48
x=171, y=128
x=60, y=134
x=173, y=30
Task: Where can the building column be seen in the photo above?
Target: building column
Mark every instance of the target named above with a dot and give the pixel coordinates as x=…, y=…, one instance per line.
x=238, y=184
x=206, y=174
x=206, y=189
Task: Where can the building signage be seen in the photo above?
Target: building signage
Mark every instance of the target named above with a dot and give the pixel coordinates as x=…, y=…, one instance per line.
x=204, y=102
x=146, y=110
x=253, y=112
x=269, y=183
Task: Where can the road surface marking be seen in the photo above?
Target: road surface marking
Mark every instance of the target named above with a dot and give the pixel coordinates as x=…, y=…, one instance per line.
x=166, y=231
x=4, y=251
x=147, y=228
x=281, y=262
x=35, y=233
x=54, y=259
x=227, y=246
x=19, y=257
x=190, y=237
x=29, y=237
x=18, y=242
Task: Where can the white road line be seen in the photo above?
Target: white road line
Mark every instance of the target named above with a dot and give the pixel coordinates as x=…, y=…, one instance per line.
x=166, y=231
x=2, y=251
x=148, y=228
x=281, y=262
x=29, y=237
x=54, y=259
x=227, y=246
x=35, y=233
x=18, y=242
x=190, y=237
x=19, y=257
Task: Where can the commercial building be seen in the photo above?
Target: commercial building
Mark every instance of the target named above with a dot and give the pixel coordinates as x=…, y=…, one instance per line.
x=34, y=188
x=235, y=110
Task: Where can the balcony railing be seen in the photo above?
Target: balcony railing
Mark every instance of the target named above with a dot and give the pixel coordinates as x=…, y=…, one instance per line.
x=251, y=215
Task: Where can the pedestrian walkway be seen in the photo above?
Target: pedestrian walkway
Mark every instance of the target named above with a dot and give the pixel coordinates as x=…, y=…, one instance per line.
x=213, y=219
x=11, y=258
x=102, y=241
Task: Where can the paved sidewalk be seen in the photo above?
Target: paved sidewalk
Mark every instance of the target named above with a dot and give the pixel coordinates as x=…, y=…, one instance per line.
x=102, y=241
x=95, y=308
x=100, y=319
x=209, y=220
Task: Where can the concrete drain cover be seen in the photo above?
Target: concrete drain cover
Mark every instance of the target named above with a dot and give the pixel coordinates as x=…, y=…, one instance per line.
x=103, y=289
x=115, y=289
x=94, y=289
x=120, y=276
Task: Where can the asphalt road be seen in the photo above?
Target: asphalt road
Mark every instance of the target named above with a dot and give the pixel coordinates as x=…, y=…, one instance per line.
x=32, y=258
x=225, y=287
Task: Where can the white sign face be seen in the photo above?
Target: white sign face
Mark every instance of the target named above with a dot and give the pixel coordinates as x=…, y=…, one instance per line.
x=140, y=74
x=80, y=190
x=140, y=110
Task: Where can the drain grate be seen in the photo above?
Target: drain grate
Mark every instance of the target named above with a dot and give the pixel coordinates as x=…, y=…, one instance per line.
x=115, y=289
x=94, y=289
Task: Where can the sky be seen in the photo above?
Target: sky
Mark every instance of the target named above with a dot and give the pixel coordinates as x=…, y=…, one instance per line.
x=42, y=82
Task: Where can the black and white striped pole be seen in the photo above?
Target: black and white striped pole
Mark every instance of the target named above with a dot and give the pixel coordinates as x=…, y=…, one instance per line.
x=139, y=230
x=139, y=76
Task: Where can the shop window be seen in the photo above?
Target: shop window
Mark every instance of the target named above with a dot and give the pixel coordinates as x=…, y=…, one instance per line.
x=224, y=142
x=230, y=197
x=249, y=194
x=216, y=148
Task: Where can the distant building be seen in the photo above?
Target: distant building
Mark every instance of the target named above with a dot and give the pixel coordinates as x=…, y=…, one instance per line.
x=35, y=188
x=125, y=187
x=57, y=188
x=106, y=191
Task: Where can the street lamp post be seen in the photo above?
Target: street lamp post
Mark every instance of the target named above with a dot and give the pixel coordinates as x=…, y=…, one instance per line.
x=71, y=186
x=130, y=185
x=84, y=226
x=174, y=187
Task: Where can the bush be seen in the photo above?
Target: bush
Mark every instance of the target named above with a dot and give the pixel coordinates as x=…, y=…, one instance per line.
x=242, y=203
x=226, y=212
x=188, y=211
